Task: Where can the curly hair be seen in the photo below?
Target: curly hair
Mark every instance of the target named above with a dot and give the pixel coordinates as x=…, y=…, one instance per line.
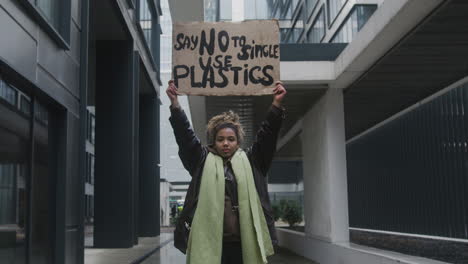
x=226, y=119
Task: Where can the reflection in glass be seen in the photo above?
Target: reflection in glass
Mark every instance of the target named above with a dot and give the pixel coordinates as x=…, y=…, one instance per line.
x=225, y=10
x=354, y=23
x=334, y=7
x=8, y=93
x=146, y=21
x=14, y=142
x=211, y=12
x=310, y=5
x=50, y=9
x=256, y=9
x=317, y=31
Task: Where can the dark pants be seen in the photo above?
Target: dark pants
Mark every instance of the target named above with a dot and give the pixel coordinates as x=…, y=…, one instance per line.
x=232, y=253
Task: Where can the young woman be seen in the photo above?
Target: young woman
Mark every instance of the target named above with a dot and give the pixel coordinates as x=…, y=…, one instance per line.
x=227, y=217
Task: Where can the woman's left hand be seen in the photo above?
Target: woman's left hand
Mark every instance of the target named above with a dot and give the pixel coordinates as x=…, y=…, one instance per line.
x=278, y=94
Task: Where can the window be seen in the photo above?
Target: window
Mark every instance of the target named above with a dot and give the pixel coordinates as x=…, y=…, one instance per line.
x=317, y=30
x=26, y=179
x=91, y=127
x=310, y=6
x=54, y=17
x=334, y=8
x=131, y=3
x=50, y=9
x=149, y=28
x=283, y=35
x=296, y=30
x=25, y=104
x=256, y=9
x=225, y=10
x=8, y=93
x=41, y=114
x=286, y=9
x=353, y=24
x=211, y=11
x=146, y=20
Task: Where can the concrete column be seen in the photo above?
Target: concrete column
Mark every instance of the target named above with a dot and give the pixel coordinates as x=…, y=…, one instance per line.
x=324, y=163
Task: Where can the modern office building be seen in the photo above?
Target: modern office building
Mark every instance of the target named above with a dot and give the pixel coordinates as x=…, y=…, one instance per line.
x=376, y=114
x=67, y=67
x=171, y=166
x=377, y=99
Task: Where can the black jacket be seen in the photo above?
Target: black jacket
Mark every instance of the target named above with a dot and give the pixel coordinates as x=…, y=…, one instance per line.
x=193, y=156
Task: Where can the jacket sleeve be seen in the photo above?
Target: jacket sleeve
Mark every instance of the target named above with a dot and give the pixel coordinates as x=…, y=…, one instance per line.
x=190, y=147
x=264, y=146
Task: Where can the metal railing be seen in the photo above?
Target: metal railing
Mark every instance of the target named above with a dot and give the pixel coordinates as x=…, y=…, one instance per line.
x=410, y=175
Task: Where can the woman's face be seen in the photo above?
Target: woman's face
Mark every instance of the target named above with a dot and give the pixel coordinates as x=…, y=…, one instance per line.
x=226, y=142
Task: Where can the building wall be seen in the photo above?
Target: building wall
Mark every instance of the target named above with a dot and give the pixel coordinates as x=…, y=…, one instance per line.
x=41, y=59
x=47, y=69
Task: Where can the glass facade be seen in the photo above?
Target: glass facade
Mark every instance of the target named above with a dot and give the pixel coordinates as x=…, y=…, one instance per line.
x=354, y=23
x=256, y=9
x=26, y=183
x=317, y=30
x=146, y=19
x=334, y=8
x=225, y=11
x=148, y=22
x=8, y=93
x=50, y=9
x=310, y=7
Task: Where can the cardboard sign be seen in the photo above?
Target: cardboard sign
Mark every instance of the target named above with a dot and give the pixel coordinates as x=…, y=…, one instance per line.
x=226, y=58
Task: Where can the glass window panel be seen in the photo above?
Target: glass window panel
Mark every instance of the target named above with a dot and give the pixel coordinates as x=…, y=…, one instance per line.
x=354, y=23
x=41, y=114
x=317, y=31
x=211, y=10
x=25, y=105
x=257, y=9
x=93, y=129
x=8, y=93
x=50, y=9
x=146, y=20
x=283, y=34
x=14, y=145
x=286, y=10
x=295, y=34
x=310, y=5
x=334, y=7
x=225, y=10
x=92, y=169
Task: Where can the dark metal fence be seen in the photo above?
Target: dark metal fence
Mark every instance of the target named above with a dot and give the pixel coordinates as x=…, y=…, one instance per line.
x=411, y=174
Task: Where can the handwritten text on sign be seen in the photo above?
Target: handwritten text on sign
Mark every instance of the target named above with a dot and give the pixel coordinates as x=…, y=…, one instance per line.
x=226, y=58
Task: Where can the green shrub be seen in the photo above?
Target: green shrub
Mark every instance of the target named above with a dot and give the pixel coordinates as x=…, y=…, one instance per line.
x=276, y=212
x=292, y=213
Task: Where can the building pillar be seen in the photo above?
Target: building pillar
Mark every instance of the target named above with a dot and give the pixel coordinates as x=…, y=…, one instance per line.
x=149, y=194
x=324, y=163
x=115, y=161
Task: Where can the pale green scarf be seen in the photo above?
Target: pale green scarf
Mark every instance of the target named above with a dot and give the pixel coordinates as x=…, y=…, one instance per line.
x=206, y=234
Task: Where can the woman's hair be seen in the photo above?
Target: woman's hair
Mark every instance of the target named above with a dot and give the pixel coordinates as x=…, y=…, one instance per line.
x=225, y=120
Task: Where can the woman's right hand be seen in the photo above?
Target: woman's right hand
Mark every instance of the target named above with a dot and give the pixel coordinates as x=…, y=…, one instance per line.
x=172, y=93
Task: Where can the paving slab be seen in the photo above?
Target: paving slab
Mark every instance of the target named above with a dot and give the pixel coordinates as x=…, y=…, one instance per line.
x=161, y=250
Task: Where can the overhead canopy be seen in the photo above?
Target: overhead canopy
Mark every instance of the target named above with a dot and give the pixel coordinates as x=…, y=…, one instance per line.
x=431, y=57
